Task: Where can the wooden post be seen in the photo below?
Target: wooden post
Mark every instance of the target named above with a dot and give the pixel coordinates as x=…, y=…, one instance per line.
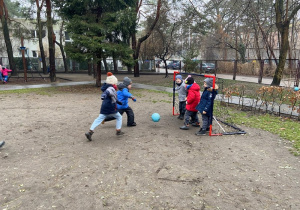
x=24, y=60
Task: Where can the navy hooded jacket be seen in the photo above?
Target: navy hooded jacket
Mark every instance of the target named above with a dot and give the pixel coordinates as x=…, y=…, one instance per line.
x=206, y=101
x=107, y=107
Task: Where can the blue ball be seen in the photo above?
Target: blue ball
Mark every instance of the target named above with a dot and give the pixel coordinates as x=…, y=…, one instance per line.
x=155, y=117
x=296, y=88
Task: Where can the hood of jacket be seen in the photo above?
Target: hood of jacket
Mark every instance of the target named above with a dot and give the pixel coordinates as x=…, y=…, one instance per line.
x=195, y=87
x=105, y=86
x=121, y=86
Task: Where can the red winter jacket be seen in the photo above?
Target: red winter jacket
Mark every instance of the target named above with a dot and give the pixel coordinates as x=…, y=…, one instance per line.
x=193, y=97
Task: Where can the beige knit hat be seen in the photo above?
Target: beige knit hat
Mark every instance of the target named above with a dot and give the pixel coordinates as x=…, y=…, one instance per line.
x=111, y=80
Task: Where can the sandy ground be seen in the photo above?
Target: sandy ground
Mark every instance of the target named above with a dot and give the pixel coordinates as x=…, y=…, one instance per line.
x=47, y=163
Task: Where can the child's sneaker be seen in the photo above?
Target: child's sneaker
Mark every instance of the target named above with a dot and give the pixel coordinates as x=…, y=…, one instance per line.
x=133, y=124
x=201, y=132
x=89, y=135
x=184, y=127
x=196, y=124
x=119, y=133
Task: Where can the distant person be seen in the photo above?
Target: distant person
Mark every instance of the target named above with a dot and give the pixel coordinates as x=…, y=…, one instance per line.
x=181, y=95
x=5, y=74
x=205, y=107
x=1, y=77
x=108, y=107
x=2, y=143
x=192, y=100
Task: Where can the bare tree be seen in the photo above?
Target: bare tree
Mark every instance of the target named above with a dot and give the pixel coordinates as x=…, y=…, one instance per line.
x=4, y=20
x=136, y=43
x=61, y=46
x=51, y=41
x=39, y=7
x=284, y=15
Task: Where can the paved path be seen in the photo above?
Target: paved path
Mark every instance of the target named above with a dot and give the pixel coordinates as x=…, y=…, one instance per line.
x=285, y=109
x=266, y=80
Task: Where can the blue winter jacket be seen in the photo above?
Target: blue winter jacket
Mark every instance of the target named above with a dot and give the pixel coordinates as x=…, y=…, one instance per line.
x=123, y=95
x=107, y=107
x=206, y=101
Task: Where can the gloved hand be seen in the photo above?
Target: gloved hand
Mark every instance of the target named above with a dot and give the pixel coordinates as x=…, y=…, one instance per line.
x=134, y=99
x=119, y=102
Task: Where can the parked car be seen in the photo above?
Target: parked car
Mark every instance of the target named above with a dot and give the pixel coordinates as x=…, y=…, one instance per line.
x=207, y=67
x=174, y=65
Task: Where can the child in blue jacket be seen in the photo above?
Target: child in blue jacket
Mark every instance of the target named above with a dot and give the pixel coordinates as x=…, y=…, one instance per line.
x=205, y=107
x=123, y=96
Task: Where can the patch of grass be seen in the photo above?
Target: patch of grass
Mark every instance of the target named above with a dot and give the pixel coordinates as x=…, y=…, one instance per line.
x=284, y=127
x=39, y=91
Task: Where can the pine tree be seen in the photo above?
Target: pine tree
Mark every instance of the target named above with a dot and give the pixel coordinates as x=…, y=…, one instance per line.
x=99, y=29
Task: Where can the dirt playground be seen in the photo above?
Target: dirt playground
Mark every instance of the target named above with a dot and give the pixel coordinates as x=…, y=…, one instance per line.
x=47, y=163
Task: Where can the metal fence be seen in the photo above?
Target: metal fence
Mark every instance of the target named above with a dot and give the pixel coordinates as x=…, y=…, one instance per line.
x=35, y=64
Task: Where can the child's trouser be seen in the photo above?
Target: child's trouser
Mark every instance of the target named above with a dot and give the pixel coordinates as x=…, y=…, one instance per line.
x=101, y=117
x=5, y=78
x=182, y=105
x=130, y=115
x=205, y=121
x=192, y=115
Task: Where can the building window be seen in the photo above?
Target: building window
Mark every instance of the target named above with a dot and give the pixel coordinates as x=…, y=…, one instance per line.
x=34, y=54
x=33, y=34
x=67, y=37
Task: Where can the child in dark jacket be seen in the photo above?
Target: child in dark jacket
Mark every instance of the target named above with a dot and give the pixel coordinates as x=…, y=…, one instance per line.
x=193, y=98
x=205, y=107
x=108, y=107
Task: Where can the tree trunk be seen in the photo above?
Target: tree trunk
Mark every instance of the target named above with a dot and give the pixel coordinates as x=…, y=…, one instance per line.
x=98, y=73
x=115, y=62
x=136, y=45
x=136, y=70
x=129, y=69
x=51, y=42
x=61, y=47
x=40, y=37
x=105, y=65
x=4, y=17
x=284, y=32
x=90, y=67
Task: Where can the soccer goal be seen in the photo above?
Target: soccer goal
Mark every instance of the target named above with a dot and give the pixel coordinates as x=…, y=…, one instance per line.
x=220, y=123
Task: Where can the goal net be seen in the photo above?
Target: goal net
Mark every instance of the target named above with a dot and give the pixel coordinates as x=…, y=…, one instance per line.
x=219, y=122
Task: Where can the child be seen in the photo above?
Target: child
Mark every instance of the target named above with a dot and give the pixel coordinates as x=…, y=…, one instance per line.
x=181, y=95
x=193, y=98
x=5, y=74
x=108, y=107
x=206, y=104
x=1, y=79
x=123, y=95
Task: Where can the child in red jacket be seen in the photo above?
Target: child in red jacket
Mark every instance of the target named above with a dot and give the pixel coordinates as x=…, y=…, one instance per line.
x=192, y=100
